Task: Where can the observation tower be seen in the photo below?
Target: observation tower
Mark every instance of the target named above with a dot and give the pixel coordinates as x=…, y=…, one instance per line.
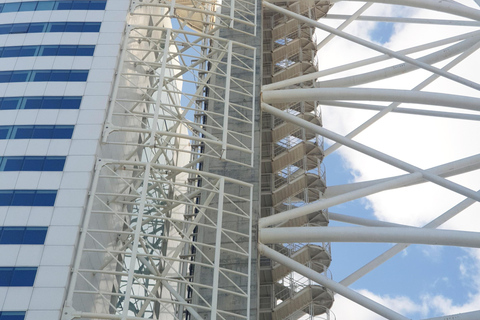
x=166, y=159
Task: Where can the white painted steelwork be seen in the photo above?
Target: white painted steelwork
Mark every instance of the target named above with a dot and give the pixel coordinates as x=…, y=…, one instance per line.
x=369, y=82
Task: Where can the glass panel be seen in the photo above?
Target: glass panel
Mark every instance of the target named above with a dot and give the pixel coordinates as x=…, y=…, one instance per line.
x=91, y=27
x=23, y=277
x=28, y=51
x=85, y=50
x=11, y=52
x=11, y=7
x=12, y=315
x=35, y=235
x=19, y=76
x=71, y=102
x=74, y=27
x=5, y=132
x=28, y=6
x=97, y=5
x=45, y=5
x=45, y=198
x=37, y=27
x=60, y=75
x=43, y=132
x=12, y=163
x=5, y=76
x=5, y=28
x=22, y=132
x=41, y=75
x=48, y=51
x=67, y=50
x=33, y=163
x=63, y=132
x=20, y=28
x=78, y=75
x=12, y=235
x=64, y=5
x=10, y=103
x=5, y=276
x=23, y=198
x=5, y=199
x=52, y=103
x=79, y=5
x=33, y=102
x=54, y=164
x=56, y=26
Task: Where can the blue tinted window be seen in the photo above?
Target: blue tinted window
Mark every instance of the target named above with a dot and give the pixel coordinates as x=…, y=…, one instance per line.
x=52, y=103
x=63, y=132
x=17, y=276
x=19, y=28
x=19, y=76
x=5, y=76
x=91, y=27
x=60, y=75
x=11, y=52
x=22, y=132
x=71, y=102
x=78, y=75
x=23, y=235
x=28, y=6
x=12, y=235
x=5, y=28
x=37, y=27
x=32, y=103
x=11, y=7
x=23, y=198
x=56, y=26
x=67, y=50
x=43, y=132
x=9, y=103
x=5, y=132
x=41, y=75
x=79, y=5
x=11, y=164
x=85, y=50
x=6, y=197
x=46, y=5
x=48, y=51
x=33, y=163
x=12, y=315
x=23, y=276
x=64, y=5
x=74, y=27
x=54, y=164
x=45, y=198
x=35, y=235
x=28, y=51
x=97, y=5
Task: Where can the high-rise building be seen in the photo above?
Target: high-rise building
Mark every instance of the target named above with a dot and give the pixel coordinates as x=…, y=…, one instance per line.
x=143, y=175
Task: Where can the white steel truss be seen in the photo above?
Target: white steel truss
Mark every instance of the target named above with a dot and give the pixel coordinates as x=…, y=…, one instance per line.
x=171, y=224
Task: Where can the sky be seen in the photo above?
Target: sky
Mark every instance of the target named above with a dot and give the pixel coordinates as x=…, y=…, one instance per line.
x=422, y=281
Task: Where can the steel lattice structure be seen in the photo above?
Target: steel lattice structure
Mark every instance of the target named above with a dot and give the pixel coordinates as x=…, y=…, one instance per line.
x=212, y=201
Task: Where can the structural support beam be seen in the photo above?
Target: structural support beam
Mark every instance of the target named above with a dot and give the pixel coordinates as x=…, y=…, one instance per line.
x=330, y=284
x=371, y=234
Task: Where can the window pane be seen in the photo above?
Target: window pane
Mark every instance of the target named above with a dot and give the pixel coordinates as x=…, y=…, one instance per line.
x=19, y=76
x=33, y=163
x=35, y=235
x=33, y=103
x=45, y=198
x=54, y=164
x=11, y=52
x=67, y=50
x=52, y=103
x=28, y=51
x=12, y=235
x=43, y=132
x=10, y=103
x=78, y=75
x=5, y=28
x=37, y=27
x=13, y=163
x=11, y=7
x=28, y=6
x=23, y=198
x=23, y=277
x=71, y=102
x=41, y=75
x=12, y=315
x=45, y=5
x=5, y=277
x=1, y=7
x=5, y=132
x=85, y=50
x=22, y=132
x=64, y=5
x=48, y=51
x=97, y=5
x=80, y=5
x=60, y=75
x=5, y=199
x=91, y=27
x=74, y=27
x=63, y=132
x=20, y=28
x=5, y=76
x=56, y=26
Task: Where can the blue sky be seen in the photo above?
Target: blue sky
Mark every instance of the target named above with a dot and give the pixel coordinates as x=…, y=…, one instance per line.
x=422, y=281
